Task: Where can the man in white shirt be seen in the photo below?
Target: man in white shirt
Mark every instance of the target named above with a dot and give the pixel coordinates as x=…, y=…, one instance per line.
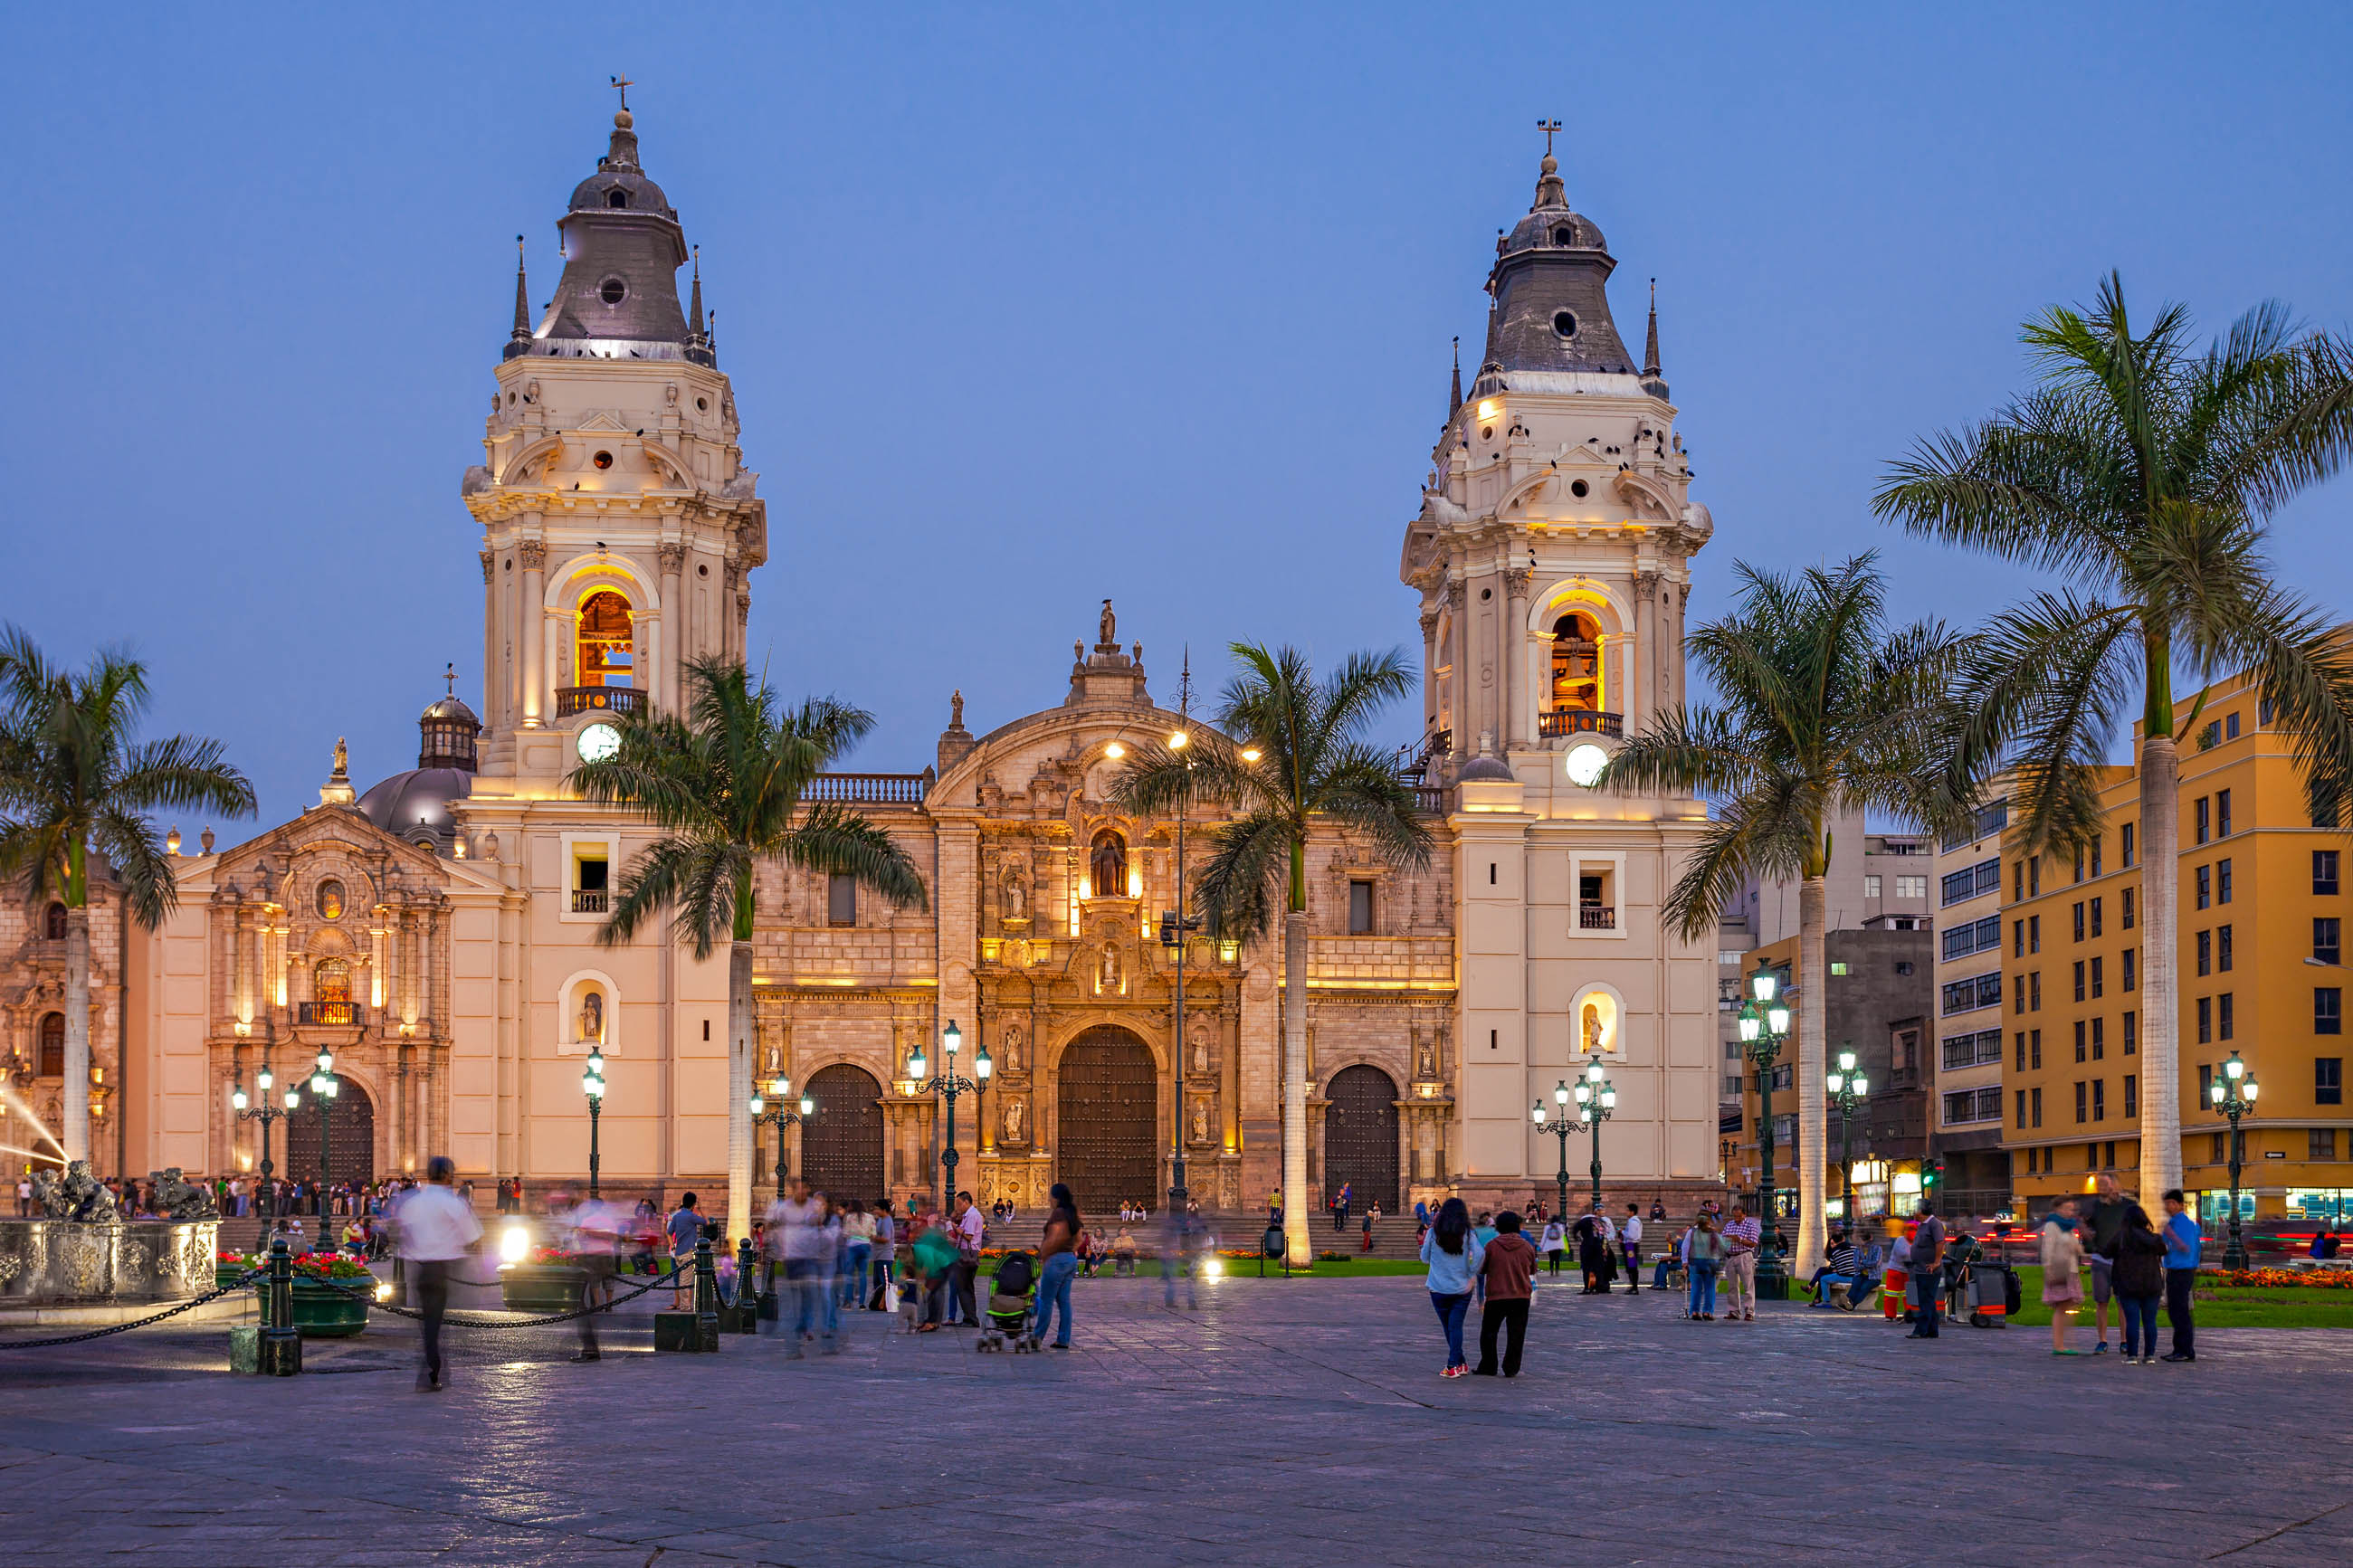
x=435, y=1228
x=1630, y=1236
x=967, y=1230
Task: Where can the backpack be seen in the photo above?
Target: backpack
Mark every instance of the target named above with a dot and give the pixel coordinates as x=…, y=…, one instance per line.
x=2011, y=1298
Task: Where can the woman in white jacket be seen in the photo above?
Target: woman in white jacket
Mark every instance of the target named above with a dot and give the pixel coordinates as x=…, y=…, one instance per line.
x=2062, y=1283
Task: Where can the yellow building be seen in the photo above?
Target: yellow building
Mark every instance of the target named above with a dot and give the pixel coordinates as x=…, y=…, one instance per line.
x=2260, y=925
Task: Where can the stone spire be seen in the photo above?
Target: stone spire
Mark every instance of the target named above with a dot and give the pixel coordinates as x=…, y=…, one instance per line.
x=519, y=339
x=699, y=347
x=1454, y=397
x=1653, y=382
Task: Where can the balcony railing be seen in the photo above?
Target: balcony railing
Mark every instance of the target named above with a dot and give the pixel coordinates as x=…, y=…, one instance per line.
x=591, y=900
x=350, y=1013
x=1597, y=917
x=869, y=789
x=1580, y=722
x=1430, y=799
x=571, y=699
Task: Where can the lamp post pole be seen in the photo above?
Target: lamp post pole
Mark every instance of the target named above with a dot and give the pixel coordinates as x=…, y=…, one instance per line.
x=947, y=1084
x=782, y=1117
x=1559, y=1127
x=1597, y=1099
x=1764, y=1024
x=264, y=1112
x=1847, y=1087
x=2233, y=1093
x=592, y=1084
x=1175, y=926
x=324, y=1087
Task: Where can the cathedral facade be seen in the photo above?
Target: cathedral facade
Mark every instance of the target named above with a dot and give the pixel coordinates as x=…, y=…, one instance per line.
x=438, y=933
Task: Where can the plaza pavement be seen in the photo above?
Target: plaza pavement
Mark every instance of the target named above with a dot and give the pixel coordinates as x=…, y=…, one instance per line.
x=1291, y=1422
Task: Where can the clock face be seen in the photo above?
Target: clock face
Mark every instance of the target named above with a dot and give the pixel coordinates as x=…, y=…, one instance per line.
x=1584, y=763
x=599, y=742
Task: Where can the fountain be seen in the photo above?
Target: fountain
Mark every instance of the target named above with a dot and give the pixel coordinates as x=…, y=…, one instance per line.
x=77, y=1251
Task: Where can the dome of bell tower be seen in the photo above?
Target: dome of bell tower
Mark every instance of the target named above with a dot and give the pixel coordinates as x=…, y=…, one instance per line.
x=622, y=249
x=1549, y=285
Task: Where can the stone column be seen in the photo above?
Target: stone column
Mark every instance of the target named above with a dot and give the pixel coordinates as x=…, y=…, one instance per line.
x=671, y=559
x=532, y=633
x=493, y=710
x=1514, y=640
x=1642, y=680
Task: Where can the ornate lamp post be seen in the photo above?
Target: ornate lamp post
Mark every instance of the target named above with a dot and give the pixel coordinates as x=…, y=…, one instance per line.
x=2233, y=1093
x=592, y=1084
x=1597, y=1100
x=784, y=1116
x=1174, y=927
x=1764, y=1024
x=947, y=1085
x=324, y=1087
x=1847, y=1087
x=264, y=1112
x=1559, y=1127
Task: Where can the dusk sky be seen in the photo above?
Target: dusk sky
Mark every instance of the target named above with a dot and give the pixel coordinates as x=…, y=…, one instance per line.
x=1027, y=307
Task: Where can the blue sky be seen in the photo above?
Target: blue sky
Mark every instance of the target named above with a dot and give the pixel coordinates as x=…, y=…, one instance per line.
x=1029, y=306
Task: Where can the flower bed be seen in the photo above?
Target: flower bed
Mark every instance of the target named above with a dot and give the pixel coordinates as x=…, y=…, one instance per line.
x=321, y=1311
x=2280, y=1279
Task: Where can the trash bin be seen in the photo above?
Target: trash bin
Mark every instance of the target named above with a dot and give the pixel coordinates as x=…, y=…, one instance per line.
x=1992, y=1292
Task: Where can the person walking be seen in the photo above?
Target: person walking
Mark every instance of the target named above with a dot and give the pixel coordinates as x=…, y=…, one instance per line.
x=1741, y=1235
x=2062, y=1255
x=1629, y=1237
x=886, y=1252
x=1554, y=1237
x=1896, y=1282
x=2102, y=1232
x=1058, y=1263
x=1509, y=1267
x=1372, y=1213
x=2139, y=1281
x=1704, y=1254
x=1340, y=1202
x=968, y=1233
x=2183, y=1241
x=685, y=1229
x=596, y=1234
x=1591, y=1252
x=436, y=1228
x=1927, y=1275
x=1454, y=1255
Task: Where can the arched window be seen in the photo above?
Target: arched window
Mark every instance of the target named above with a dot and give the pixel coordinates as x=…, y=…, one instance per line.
x=606, y=653
x=617, y=197
x=1565, y=236
x=53, y=923
x=1107, y=865
x=331, y=900
x=332, y=980
x=1575, y=664
x=53, y=1044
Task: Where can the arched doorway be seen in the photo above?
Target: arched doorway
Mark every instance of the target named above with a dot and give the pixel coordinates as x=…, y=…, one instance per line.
x=1360, y=1137
x=1107, y=1096
x=842, y=1145
x=354, y=1136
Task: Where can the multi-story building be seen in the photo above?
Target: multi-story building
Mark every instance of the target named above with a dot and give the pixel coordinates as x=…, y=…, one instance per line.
x=1898, y=869
x=1965, y=1068
x=2262, y=976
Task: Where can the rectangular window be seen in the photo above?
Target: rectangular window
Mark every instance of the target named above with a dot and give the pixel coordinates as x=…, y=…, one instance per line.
x=2132, y=1033
x=2205, y=886
x=2126, y=964
x=2202, y=814
x=2079, y=980
x=2124, y=909
x=2124, y=847
x=2018, y=939
x=2021, y=1111
x=2226, y=1013
x=2096, y=987
x=2223, y=949
x=1972, y=936
x=2328, y=1010
x=591, y=882
x=2205, y=1081
x=1360, y=909
x=2096, y=916
x=2221, y=881
x=840, y=899
x=2263, y=710
x=2034, y=933
x=2109, y=1154
x=2096, y=858
x=2222, y=805
x=2325, y=809
x=2320, y=1144
x=2323, y=871
x=2230, y=731
x=1968, y=995
x=2079, y=865
x=2034, y=877
x=2018, y=993
x=2328, y=1080
x=1918, y=887
x=2218, y=1148
x=2205, y=1020
x=2082, y=1093
x=2034, y=992
x=2034, y=1049
x=2017, y=881
x=2022, y=1051
x=2079, y=1040
x=2132, y=1096
x=2099, y=1100
x=1969, y=881
x=2325, y=939
x=2205, y=952
x=2035, y=1100
x=2079, y=920
x=1871, y=886
x=2099, y=1039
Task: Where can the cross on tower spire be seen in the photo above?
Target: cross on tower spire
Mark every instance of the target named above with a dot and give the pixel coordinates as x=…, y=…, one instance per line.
x=451, y=675
x=1550, y=128
x=621, y=85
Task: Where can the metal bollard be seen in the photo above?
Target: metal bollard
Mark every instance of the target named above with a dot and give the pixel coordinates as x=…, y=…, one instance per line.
x=706, y=1297
x=746, y=1318
x=281, y=1342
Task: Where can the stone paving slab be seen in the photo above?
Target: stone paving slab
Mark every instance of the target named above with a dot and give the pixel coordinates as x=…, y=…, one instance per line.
x=1283, y=1422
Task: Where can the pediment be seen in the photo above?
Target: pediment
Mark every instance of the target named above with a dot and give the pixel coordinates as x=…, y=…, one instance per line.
x=601, y=421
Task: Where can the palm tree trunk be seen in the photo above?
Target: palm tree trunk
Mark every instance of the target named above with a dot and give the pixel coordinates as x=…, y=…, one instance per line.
x=1295, y=1240
x=77, y=1100
x=1813, y=1046
x=2160, y=1034
x=739, y=1092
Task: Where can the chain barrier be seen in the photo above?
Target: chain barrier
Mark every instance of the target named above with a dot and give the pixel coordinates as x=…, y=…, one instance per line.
x=464, y=1320
x=212, y=1295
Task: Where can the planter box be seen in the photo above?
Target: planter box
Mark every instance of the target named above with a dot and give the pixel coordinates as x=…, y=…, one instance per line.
x=321, y=1313
x=542, y=1286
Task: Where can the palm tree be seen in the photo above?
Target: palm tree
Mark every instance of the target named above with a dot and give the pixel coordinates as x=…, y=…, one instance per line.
x=2143, y=472
x=723, y=781
x=72, y=782
x=1291, y=749
x=1821, y=712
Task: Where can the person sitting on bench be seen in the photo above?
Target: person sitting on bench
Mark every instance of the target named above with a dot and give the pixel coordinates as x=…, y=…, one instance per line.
x=1841, y=1267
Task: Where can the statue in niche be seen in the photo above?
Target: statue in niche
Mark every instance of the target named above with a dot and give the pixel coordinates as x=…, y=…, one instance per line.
x=1107, y=973
x=1426, y=1064
x=1107, y=865
x=1593, y=1031
x=1200, y=1121
x=1013, y=1112
x=1201, y=1045
x=592, y=1017
x=1016, y=894
x=1011, y=1049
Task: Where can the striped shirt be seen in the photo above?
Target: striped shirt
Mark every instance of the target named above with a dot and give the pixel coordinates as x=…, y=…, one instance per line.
x=1741, y=1234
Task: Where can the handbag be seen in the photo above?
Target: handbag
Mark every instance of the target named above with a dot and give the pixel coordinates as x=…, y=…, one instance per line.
x=890, y=1295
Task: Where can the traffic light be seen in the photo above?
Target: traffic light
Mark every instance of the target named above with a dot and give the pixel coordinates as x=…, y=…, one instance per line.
x=1931, y=1172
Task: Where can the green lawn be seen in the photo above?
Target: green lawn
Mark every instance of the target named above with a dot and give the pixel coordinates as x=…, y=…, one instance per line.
x=2279, y=1308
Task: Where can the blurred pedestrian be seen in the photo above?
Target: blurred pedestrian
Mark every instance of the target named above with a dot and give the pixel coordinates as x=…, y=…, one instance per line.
x=685, y=1230
x=436, y=1228
x=1176, y=1258
x=1058, y=1261
x=1554, y=1236
x=596, y=1234
x=2062, y=1255
x=1704, y=1253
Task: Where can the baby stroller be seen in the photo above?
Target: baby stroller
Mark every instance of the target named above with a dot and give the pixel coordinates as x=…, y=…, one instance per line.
x=1008, y=1317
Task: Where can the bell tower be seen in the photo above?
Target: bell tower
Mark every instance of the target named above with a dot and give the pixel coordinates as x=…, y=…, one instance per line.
x=620, y=526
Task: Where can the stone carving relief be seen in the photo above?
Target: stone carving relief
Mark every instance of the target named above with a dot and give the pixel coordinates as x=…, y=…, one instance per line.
x=1011, y=1048
x=1015, y=1112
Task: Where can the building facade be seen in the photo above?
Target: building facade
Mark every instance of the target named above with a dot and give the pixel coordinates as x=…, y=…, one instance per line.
x=1966, y=1066
x=438, y=933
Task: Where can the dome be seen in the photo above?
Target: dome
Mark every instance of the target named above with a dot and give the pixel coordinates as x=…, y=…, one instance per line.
x=1555, y=228
x=1550, y=289
x=1486, y=769
x=450, y=707
x=414, y=806
x=638, y=194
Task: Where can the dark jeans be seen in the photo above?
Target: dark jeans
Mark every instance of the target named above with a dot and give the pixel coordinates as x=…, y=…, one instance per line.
x=1451, y=1313
x=433, y=1300
x=1927, y=1299
x=1340, y=1217
x=960, y=1278
x=2140, y=1313
x=593, y=1292
x=2176, y=1309
x=1512, y=1317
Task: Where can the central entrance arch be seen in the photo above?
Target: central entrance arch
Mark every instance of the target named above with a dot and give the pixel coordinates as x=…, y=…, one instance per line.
x=1107, y=1096
x=842, y=1145
x=354, y=1135
x=1360, y=1137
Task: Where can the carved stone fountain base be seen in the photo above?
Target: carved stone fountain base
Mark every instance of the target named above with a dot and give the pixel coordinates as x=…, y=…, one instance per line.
x=56, y=1262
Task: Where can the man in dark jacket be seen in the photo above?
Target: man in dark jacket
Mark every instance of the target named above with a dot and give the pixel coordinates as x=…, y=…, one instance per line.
x=1927, y=1275
x=1509, y=1268
x=2103, y=1227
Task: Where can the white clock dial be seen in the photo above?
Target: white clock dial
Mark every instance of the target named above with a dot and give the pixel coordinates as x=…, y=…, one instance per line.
x=599, y=742
x=1584, y=763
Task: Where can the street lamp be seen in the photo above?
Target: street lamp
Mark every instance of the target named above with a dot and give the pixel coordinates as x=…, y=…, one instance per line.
x=324, y=1086
x=1764, y=1024
x=264, y=1112
x=1847, y=1088
x=947, y=1085
x=1597, y=1100
x=1175, y=926
x=784, y=1116
x=1559, y=1127
x=2233, y=1093
x=592, y=1084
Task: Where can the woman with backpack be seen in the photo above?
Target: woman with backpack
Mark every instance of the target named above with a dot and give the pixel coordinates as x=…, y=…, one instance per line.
x=1454, y=1254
